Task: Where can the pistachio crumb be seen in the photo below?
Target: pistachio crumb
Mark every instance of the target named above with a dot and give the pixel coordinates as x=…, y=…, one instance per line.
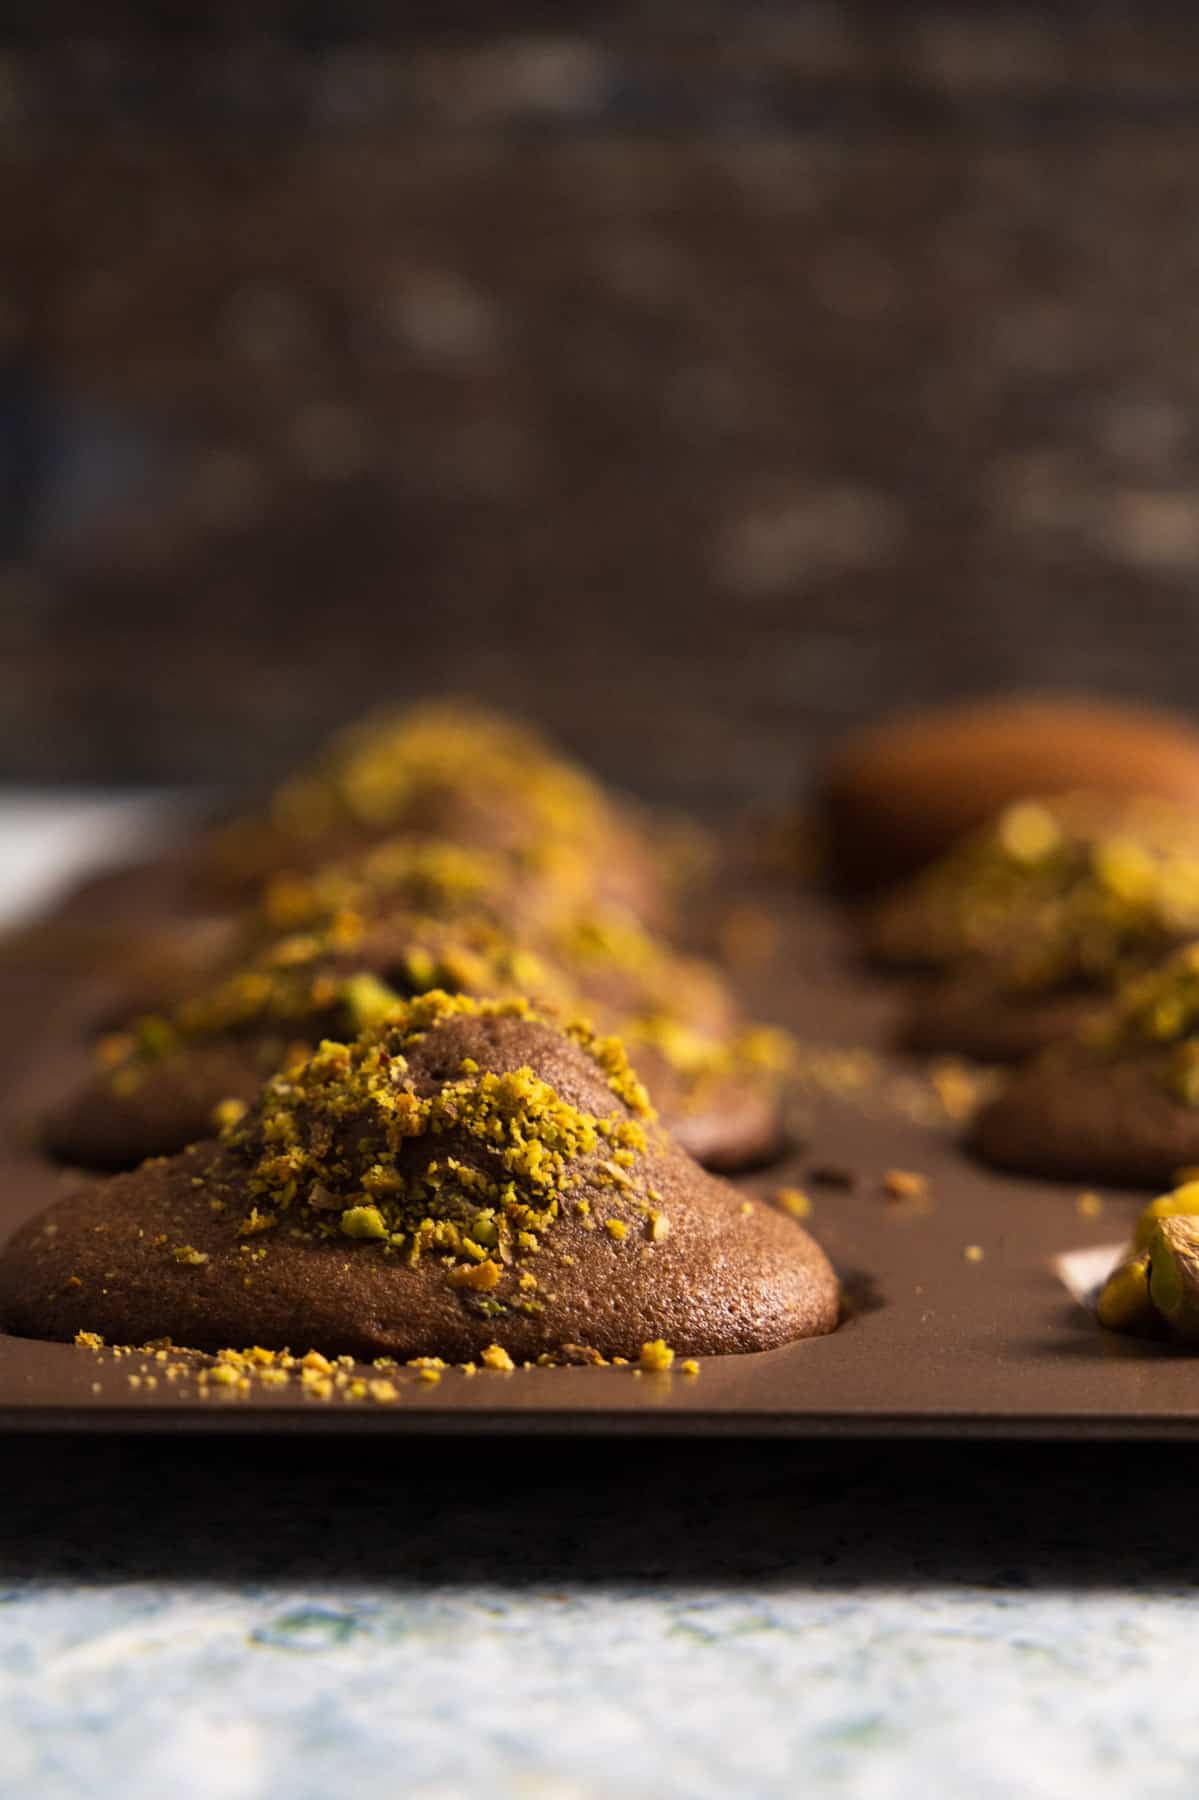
x=904, y=1184
x=184, y=1253
x=363, y=1222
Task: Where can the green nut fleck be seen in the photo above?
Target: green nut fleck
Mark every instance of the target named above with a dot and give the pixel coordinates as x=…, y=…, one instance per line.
x=1124, y=1303
x=363, y=1222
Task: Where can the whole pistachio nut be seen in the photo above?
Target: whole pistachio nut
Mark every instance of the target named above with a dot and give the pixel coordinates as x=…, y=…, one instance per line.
x=1179, y=1203
x=1124, y=1303
x=1174, y=1276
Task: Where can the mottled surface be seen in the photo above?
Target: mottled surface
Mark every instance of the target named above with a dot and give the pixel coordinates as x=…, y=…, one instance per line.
x=574, y=1624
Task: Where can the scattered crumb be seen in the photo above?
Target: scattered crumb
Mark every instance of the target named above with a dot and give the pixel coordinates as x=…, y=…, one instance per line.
x=904, y=1184
x=480, y=1277
x=956, y=1087
x=690, y=1367
x=973, y=1253
x=745, y=1208
x=1089, y=1205
x=496, y=1357
x=616, y=1229
x=655, y=1355
x=793, y=1200
x=942, y=1098
x=184, y=1253
x=430, y=1375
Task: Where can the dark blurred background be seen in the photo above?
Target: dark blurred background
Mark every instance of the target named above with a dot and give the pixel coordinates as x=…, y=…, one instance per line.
x=700, y=378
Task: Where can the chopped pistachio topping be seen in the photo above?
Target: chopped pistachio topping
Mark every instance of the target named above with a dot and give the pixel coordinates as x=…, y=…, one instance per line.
x=306, y=986
x=1159, y=1010
x=363, y=1222
x=1060, y=891
x=378, y=774
x=474, y=1172
x=436, y=879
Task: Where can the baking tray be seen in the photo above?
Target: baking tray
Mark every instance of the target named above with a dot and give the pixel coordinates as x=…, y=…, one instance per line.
x=958, y=1325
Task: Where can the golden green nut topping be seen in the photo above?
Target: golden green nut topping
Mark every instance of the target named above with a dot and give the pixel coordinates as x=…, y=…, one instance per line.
x=440, y=880
x=1054, y=890
x=475, y=1167
x=306, y=986
x=1158, y=1011
x=376, y=772
x=1156, y=1288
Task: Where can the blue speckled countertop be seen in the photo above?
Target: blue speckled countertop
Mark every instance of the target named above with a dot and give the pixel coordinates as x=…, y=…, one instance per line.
x=557, y=1623
x=239, y=1620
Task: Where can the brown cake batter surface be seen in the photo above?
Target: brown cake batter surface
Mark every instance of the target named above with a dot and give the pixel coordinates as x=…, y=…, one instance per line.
x=466, y=1174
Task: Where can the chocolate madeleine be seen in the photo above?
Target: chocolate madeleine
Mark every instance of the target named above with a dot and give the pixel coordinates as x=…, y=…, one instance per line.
x=160, y=1084
x=465, y=1174
x=1119, y=1104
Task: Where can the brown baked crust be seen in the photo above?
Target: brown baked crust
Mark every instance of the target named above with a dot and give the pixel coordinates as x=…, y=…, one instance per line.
x=896, y=795
x=450, y=770
x=969, y=1015
x=172, y=1104
x=727, y=1123
x=678, y=1014
x=729, y=1275
x=1085, y=1117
